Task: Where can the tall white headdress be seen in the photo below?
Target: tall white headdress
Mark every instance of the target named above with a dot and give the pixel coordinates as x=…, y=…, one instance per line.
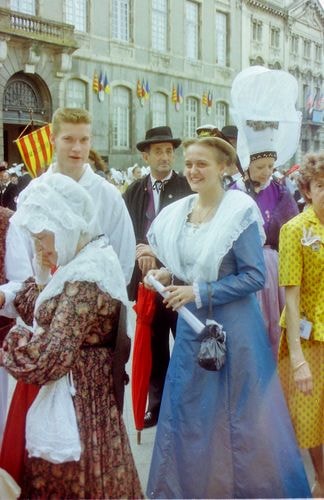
x=264, y=111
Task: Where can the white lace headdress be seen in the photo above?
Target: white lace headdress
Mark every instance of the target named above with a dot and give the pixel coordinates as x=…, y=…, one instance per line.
x=264, y=111
x=59, y=204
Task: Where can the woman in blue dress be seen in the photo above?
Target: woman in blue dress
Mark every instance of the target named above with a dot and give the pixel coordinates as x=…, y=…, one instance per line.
x=227, y=433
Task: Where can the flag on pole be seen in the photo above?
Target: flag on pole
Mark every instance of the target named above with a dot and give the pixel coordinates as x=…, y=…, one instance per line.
x=36, y=150
x=106, y=85
x=174, y=96
x=101, y=82
x=204, y=99
x=309, y=100
x=147, y=90
x=139, y=89
x=143, y=89
x=210, y=99
x=95, y=83
x=319, y=101
x=180, y=94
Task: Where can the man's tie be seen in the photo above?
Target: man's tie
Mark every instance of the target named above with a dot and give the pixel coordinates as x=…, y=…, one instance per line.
x=158, y=186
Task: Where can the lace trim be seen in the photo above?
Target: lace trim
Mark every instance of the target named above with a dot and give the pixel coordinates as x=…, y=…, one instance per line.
x=95, y=263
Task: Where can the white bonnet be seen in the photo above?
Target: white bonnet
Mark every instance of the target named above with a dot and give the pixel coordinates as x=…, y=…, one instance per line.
x=264, y=111
x=58, y=204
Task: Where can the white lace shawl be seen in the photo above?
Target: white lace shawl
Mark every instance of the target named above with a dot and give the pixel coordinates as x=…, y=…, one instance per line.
x=236, y=213
x=95, y=263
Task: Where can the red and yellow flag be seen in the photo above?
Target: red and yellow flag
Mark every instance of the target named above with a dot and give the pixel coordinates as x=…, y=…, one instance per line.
x=95, y=83
x=174, y=95
x=36, y=150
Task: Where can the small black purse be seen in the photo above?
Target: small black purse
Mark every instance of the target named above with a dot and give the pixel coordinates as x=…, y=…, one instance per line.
x=212, y=352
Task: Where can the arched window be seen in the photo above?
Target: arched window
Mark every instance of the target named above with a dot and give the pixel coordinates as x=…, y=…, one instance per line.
x=221, y=113
x=159, y=109
x=191, y=118
x=121, y=118
x=75, y=94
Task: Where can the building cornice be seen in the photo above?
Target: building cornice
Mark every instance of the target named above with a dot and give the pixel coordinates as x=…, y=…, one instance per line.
x=268, y=7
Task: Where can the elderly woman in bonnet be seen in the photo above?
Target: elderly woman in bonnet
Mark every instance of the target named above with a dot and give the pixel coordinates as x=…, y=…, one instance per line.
x=301, y=355
x=268, y=134
x=75, y=327
x=226, y=433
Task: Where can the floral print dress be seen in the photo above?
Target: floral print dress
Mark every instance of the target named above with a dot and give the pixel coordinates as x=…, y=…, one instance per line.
x=76, y=332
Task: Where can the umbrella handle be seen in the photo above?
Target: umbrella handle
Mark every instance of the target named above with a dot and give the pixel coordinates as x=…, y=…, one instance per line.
x=138, y=437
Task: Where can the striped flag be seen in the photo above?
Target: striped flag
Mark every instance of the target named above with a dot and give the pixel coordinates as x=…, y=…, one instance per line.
x=36, y=150
x=95, y=83
x=174, y=96
x=139, y=89
x=204, y=99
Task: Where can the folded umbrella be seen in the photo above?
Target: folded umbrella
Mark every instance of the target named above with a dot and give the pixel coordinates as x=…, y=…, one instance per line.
x=142, y=355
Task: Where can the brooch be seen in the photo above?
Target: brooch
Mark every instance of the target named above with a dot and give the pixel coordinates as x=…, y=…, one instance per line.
x=310, y=239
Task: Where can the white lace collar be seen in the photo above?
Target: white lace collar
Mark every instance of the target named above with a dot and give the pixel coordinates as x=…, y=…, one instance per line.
x=236, y=212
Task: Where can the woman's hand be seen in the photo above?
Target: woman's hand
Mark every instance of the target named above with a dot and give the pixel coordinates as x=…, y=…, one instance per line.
x=179, y=296
x=303, y=377
x=162, y=275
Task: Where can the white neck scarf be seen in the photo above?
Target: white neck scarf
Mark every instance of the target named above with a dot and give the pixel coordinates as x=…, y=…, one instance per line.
x=236, y=212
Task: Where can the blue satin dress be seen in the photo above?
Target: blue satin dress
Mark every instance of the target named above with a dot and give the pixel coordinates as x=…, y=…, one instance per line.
x=227, y=434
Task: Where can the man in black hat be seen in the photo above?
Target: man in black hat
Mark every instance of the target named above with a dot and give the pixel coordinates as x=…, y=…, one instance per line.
x=144, y=199
x=230, y=132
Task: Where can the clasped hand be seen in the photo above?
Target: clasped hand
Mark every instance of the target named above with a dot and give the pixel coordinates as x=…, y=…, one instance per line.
x=145, y=258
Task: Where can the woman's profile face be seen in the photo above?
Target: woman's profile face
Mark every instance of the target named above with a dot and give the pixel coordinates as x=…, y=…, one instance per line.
x=261, y=170
x=202, y=171
x=45, y=248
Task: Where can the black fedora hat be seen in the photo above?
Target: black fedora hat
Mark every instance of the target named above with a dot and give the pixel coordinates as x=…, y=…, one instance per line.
x=230, y=131
x=156, y=135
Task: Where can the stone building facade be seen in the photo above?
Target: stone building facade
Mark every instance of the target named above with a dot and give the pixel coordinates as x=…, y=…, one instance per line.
x=135, y=64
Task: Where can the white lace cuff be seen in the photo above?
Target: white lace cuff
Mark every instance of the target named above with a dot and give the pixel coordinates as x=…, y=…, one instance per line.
x=196, y=292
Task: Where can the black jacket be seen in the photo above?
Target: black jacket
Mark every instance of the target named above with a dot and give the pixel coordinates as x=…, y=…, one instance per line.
x=137, y=198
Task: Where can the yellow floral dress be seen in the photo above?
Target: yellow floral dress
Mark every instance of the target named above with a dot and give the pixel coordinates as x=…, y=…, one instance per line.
x=301, y=263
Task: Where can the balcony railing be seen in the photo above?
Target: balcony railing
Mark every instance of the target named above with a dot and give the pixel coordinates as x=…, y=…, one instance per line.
x=36, y=28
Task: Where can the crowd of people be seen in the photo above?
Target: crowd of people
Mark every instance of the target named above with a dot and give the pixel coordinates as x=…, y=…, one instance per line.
x=230, y=245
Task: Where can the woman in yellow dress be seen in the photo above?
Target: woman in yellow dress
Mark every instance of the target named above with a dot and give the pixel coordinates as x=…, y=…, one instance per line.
x=301, y=356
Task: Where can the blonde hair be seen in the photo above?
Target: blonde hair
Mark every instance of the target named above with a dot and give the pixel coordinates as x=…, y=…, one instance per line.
x=69, y=115
x=312, y=167
x=223, y=151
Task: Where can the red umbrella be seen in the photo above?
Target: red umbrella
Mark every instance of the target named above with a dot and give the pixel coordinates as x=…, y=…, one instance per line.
x=142, y=355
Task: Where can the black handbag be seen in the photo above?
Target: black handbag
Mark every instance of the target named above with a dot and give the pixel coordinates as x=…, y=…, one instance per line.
x=212, y=352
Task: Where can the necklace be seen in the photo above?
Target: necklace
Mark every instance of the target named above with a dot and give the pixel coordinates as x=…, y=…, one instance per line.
x=199, y=215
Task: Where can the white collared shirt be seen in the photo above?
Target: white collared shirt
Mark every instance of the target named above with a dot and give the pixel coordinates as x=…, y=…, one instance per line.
x=156, y=193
